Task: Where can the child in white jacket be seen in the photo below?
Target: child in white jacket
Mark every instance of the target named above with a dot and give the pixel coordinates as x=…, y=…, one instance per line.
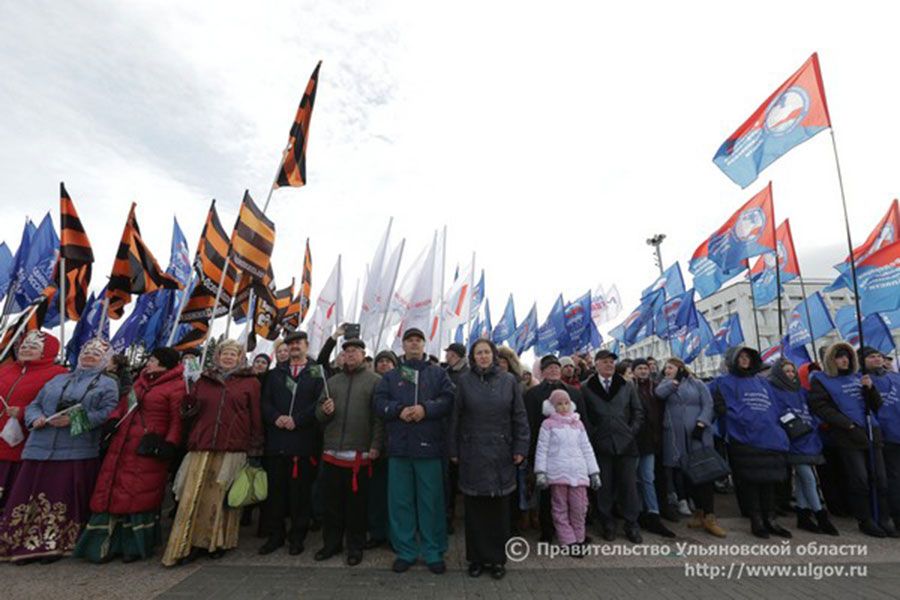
x=565, y=461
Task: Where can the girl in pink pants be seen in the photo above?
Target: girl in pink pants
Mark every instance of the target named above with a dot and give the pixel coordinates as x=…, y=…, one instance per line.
x=565, y=461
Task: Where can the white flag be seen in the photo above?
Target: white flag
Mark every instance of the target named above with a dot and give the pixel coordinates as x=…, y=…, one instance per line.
x=418, y=306
x=613, y=304
x=328, y=313
x=373, y=304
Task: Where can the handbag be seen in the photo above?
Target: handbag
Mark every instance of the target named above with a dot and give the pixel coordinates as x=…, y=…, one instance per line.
x=794, y=426
x=153, y=445
x=703, y=465
x=251, y=486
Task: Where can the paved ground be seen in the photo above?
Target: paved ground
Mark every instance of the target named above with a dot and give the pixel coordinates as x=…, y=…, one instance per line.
x=658, y=572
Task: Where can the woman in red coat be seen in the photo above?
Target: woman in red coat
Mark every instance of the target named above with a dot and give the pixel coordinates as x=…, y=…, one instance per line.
x=131, y=484
x=20, y=381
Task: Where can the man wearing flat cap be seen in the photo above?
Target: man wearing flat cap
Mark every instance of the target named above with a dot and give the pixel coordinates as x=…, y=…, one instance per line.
x=535, y=398
x=413, y=400
x=288, y=399
x=352, y=438
x=616, y=414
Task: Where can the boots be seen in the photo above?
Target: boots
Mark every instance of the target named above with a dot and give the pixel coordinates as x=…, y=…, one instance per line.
x=871, y=528
x=712, y=526
x=757, y=527
x=696, y=521
x=805, y=521
x=825, y=525
x=654, y=524
x=773, y=527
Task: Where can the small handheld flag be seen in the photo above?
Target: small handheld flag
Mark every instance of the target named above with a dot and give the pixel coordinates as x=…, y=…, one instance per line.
x=410, y=375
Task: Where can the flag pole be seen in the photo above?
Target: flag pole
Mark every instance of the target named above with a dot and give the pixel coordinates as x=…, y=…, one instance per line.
x=18, y=331
x=103, y=315
x=387, y=309
x=178, y=313
x=873, y=493
x=808, y=316
x=212, y=317
x=62, y=309
x=837, y=164
x=753, y=307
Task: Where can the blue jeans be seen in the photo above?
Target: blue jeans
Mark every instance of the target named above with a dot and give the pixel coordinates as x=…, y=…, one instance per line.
x=806, y=490
x=645, y=477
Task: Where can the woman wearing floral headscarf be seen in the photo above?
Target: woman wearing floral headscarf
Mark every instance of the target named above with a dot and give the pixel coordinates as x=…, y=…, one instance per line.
x=48, y=505
x=20, y=381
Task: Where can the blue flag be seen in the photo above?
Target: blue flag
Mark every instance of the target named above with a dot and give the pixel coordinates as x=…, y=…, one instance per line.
x=37, y=269
x=708, y=276
x=577, y=316
x=6, y=267
x=17, y=272
x=507, y=324
x=803, y=329
x=728, y=335
x=596, y=338
x=785, y=348
x=180, y=268
x=891, y=318
x=614, y=347
x=876, y=331
x=677, y=312
x=477, y=296
x=87, y=326
x=460, y=337
x=552, y=334
x=671, y=281
x=688, y=343
x=525, y=335
x=640, y=324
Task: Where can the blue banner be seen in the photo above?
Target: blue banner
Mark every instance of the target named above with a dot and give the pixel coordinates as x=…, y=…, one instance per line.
x=525, y=335
x=803, y=328
x=727, y=336
x=506, y=327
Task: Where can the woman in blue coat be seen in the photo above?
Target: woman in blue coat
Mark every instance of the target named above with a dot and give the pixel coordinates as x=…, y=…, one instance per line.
x=806, y=448
x=757, y=443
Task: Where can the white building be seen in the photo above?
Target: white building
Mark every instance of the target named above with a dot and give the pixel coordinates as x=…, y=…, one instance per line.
x=735, y=298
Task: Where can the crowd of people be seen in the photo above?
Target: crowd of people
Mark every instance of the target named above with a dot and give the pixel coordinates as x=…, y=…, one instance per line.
x=376, y=450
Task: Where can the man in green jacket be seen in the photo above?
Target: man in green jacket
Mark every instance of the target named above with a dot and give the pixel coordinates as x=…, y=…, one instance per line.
x=352, y=439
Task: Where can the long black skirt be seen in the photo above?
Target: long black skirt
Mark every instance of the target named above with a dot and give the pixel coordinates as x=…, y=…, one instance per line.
x=487, y=529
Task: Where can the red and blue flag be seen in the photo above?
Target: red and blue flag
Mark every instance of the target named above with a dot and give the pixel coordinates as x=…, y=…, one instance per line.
x=763, y=274
x=749, y=232
x=708, y=277
x=878, y=278
x=794, y=113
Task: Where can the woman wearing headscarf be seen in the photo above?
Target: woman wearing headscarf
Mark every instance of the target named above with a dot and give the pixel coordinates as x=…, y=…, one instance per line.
x=225, y=428
x=489, y=436
x=132, y=482
x=687, y=426
x=20, y=381
x=757, y=443
x=845, y=400
x=48, y=505
x=806, y=447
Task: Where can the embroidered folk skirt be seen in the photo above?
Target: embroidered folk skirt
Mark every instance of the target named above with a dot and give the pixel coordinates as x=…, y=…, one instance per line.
x=130, y=536
x=204, y=520
x=47, y=507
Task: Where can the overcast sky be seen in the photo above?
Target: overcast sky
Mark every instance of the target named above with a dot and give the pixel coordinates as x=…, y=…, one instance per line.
x=551, y=140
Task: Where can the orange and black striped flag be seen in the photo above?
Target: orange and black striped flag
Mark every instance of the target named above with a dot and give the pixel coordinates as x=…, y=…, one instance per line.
x=75, y=248
x=297, y=310
x=194, y=337
x=33, y=317
x=135, y=270
x=212, y=249
x=252, y=239
x=293, y=164
x=270, y=307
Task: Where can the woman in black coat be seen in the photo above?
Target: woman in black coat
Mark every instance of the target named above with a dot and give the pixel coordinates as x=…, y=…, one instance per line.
x=489, y=436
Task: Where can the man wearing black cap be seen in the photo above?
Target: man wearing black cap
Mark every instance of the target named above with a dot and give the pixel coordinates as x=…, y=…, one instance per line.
x=616, y=414
x=413, y=401
x=289, y=399
x=352, y=438
x=551, y=379
x=455, y=355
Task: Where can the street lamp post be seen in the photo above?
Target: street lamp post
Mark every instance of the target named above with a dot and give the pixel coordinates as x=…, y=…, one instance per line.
x=656, y=241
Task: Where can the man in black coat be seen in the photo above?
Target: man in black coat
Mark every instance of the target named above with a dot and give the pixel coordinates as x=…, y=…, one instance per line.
x=551, y=379
x=289, y=416
x=615, y=414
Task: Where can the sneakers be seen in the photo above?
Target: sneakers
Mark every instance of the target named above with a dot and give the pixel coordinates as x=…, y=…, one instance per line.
x=711, y=525
x=683, y=508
